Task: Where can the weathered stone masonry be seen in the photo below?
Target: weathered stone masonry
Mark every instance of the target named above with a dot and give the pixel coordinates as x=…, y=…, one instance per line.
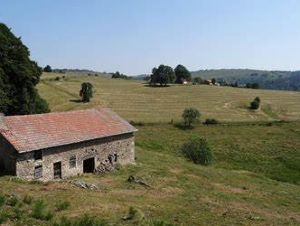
x=121, y=146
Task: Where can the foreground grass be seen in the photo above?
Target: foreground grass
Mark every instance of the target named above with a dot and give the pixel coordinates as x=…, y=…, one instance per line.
x=244, y=186
x=137, y=102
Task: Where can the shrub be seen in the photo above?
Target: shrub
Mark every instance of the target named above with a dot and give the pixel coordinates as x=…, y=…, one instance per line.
x=197, y=150
x=62, y=206
x=48, y=216
x=87, y=220
x=86, y=91
x=12, y=200
x=3, y=217
x=254, y=105
x=2, y=200
x=48, y=68
x=39, y=211
x=157, y=223
x=211, y=121
x=134, y=214
x=27, y=199
x=17, y=213
x=137, y=123
x=190, y=115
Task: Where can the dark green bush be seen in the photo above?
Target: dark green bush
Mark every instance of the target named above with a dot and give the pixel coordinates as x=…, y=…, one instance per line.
x=254, y=105
x=86, y=91
x=137, y=123
x=211, y=121
x=197, y=150
x=2, y=200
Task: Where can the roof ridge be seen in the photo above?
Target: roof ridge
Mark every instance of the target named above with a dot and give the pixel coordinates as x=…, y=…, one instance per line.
x=55, y=112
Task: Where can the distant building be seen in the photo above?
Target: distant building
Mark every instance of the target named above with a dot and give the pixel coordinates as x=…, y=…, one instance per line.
x=185, y=82
x=208, y=82
x=59, y=145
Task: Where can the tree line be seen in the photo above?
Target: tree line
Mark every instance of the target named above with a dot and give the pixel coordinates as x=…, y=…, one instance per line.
x=165, y=74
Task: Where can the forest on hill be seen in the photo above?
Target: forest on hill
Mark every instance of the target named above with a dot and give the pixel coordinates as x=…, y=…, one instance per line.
x=279, y=80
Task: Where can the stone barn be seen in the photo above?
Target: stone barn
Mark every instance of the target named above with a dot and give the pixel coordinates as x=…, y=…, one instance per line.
x=59, y=145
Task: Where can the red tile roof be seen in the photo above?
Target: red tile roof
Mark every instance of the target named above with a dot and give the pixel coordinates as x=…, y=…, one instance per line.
x=34, y=132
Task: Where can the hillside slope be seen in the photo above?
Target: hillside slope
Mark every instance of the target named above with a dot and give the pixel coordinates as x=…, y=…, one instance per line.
x=235, y=190
x=137, y=102
x=254, y=178
x=280, y=80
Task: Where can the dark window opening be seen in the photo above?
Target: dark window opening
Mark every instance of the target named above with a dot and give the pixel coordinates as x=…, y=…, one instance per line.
x=110, y=158
x=57, y=170
x=38, y=155
x=72, y=162
x=89, y=165
x=38, y=172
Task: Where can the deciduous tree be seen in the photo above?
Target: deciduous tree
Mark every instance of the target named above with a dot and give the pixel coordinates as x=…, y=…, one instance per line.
x=182, y=74
x=48, y=68
x=86, y=91
x=162, y=75
x=18, y=77
x=190, y=115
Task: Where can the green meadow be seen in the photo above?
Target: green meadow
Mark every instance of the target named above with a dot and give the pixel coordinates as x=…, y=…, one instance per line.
x=254, y=178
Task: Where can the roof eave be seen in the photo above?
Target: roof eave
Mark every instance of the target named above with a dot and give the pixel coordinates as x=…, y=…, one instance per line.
x=22, y=151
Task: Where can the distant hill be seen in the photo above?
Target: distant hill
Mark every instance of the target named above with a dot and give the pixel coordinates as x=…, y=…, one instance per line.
x=281, y=80
x=81, y=72
x=278, y=80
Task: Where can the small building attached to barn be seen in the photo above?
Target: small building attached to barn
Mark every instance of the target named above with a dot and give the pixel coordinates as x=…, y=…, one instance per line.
x=59, y=145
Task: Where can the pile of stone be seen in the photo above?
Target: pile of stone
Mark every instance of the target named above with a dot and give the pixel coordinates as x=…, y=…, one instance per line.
x=133, y=179
x=104, y=167
x=85, y=185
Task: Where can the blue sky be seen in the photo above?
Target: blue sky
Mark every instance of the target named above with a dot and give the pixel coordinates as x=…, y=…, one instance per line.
x=133, y=36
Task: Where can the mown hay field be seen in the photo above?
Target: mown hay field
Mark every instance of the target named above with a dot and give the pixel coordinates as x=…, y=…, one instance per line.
x=137, y=102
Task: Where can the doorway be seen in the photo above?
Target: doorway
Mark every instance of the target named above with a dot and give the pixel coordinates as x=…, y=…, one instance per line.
x=57, y=170
x=89, y=165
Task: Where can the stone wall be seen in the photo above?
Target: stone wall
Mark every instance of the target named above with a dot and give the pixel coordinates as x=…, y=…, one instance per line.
x=107, y=152
x=7, y=157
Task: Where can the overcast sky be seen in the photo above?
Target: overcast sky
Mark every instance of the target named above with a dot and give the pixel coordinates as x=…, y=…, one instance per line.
x=133, y=36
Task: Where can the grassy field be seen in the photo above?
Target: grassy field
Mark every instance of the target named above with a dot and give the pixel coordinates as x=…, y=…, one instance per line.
x=236, y=190
x=135, y=101
x=254, y=178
